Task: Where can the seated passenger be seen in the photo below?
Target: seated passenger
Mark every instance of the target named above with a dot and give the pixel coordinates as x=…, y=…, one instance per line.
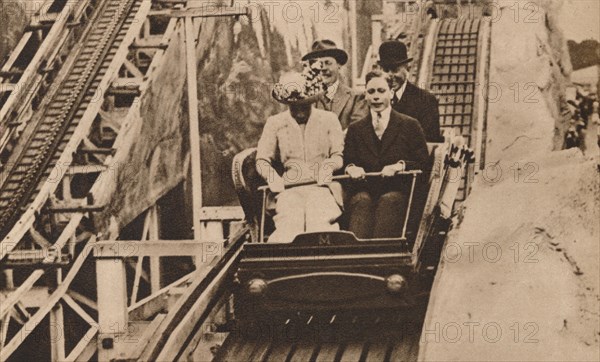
x=309, y=143
x=388, y=142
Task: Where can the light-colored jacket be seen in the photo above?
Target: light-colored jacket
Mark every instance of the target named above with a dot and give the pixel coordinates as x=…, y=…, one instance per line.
x=349, y=105
x=302, y=155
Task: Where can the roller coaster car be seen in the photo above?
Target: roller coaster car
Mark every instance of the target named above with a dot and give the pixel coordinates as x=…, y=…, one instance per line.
x=324, y=271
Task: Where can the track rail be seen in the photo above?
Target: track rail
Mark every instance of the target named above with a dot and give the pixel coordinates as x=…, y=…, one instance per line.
x=457, y=71
x=34, y=62
x=69, y=100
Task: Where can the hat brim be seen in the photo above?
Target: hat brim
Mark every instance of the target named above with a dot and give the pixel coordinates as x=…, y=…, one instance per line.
x=338, y=54
x=307, y=100
x=384, y=64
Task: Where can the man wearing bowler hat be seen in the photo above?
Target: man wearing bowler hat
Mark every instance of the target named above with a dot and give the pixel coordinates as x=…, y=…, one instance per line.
x=408, y=98
x=340, y=99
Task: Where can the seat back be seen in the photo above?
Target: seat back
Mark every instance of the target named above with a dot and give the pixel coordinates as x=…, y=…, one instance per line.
x=246, y=180
x=437, y=152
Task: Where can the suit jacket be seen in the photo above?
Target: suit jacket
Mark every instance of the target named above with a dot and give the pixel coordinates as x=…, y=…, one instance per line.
x=347, y=104
x=403, y=139
x=422, y=106
x=301, y=154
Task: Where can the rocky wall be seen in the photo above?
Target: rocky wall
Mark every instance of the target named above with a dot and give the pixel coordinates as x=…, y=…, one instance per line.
x=13, y=19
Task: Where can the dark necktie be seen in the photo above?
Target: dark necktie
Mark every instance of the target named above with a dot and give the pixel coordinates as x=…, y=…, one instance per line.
x=378, y=125
x=395, y=99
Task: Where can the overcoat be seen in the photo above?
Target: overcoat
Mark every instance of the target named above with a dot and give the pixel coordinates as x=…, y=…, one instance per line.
x=422, y=106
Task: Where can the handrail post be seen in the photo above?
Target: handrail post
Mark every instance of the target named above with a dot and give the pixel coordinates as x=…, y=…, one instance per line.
x=412, y=191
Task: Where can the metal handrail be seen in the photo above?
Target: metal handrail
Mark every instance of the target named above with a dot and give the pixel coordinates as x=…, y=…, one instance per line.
x=340, y=178
x=265, y=188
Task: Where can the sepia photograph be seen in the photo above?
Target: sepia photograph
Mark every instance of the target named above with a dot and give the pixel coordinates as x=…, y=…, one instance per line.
x=300, y=180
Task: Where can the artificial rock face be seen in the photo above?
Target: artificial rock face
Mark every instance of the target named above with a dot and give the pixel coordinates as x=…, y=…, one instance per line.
x=13, y=18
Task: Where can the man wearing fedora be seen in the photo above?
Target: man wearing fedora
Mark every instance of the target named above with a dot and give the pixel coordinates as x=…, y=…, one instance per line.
x=408, y=98
x=340, y=99
x=309, y=143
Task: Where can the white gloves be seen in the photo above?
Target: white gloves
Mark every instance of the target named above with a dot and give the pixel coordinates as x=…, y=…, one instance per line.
x=276, y=184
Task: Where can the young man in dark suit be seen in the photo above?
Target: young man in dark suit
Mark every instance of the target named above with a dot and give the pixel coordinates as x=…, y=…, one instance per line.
x=388, y=142
x=408, y=98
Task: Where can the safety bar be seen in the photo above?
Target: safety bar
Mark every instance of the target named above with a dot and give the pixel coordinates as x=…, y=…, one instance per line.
x=265, y=188
x=341, y=177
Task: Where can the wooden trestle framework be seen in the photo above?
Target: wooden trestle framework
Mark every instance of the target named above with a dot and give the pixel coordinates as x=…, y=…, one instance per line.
x=177, y=320
x=134, y=57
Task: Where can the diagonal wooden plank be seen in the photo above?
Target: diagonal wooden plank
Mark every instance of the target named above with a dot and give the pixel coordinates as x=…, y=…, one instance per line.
x=328, y=352
x=305, y=350
x=353, y=351
x=407, y=348
x=378, y=351
x=263, y=348
x=280, y=351
x=229, y=349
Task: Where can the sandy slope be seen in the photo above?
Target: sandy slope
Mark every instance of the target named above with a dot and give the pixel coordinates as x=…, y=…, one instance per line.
x=520, y=276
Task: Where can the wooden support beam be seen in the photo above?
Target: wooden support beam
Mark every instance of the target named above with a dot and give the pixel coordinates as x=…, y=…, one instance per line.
x=28, y=258
x=171, y=2
x=154, y=234
x=207, y=11
x=131, y=68
x=155, y=45
x=83, y=299
x=98, y=151
x=74, y=209
x=133, y=91
x=39, y=238
x=77, y=309
x=221, y=213
x=7, y=87
x=85, y=349
x=47, y=25
x=142, y=342
x=112, y=306
x=35, y=297
x=57, y=333
x=156, y=302
x=10, y=73
x=192, y=93
x=133, y=248
x=85, y=169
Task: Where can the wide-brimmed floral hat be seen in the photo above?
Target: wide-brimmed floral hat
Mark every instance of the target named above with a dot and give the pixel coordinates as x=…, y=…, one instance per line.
x=300, y=88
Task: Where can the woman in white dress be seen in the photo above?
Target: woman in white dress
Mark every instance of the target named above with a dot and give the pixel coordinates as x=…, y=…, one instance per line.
x=309, y=143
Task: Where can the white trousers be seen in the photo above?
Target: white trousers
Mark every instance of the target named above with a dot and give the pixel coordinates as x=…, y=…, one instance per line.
x=304, y=209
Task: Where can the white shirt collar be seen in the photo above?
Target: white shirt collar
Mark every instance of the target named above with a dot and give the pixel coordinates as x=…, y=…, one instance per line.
x=332, y=89
x=401, y=90
x=385, y=117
